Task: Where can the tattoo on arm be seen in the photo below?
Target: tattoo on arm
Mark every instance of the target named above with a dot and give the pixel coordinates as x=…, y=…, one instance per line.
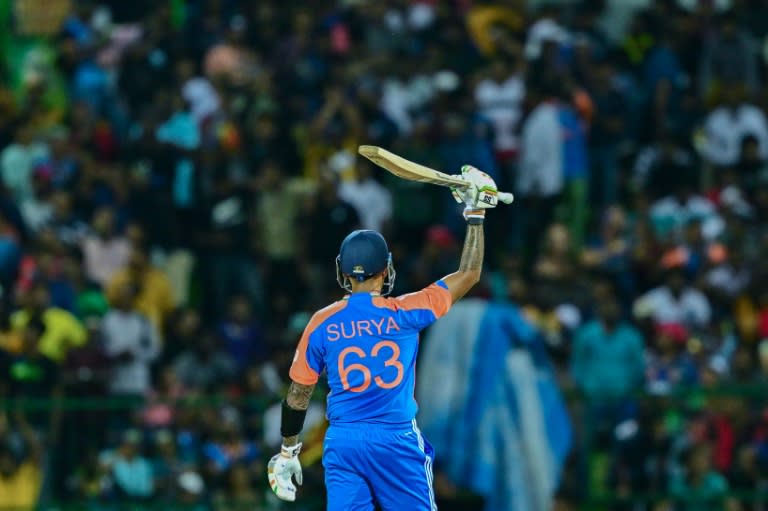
x=298, y=399
x=474, y=247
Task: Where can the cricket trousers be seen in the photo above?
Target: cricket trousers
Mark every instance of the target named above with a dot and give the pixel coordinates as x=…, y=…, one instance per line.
x=386, y=464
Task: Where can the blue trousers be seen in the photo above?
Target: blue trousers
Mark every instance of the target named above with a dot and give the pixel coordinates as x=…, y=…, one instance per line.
x=390, y=465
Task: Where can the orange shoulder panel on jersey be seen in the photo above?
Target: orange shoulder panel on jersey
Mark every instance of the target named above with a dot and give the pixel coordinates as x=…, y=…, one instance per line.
x=300, y=371
x=435, y=298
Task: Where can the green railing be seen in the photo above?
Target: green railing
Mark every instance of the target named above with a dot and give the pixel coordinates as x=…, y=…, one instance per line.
x=598, y=496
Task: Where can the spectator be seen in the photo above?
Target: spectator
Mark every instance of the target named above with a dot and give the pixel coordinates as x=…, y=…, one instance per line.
x=21, y=476
x=37, y=209
x=729, y=57
x=162, y=400
x=203, y=366
x=130, y=470
x=699, y=486
x=607, y=132
x=670, y=214
x=727, y=125
x=437, y=255
x=228, y=448
x=132, y=343
x=499, y=97
x=64, y=223
x=243, y=338
x=675, y=302
x=231, y=269
x=607, y=360
x=90, y=480
x=166, y=465
x=104, y=251
x=278, y=237
x=370, y=199
x=31, y=374
x=556, y=279
x=610, y=251
x=183, y=330
x=153, y=294
x=326, y=220
x=728, y=280
x=62, y=330
x=17, y=162
x=669, y=365
x=540, y=176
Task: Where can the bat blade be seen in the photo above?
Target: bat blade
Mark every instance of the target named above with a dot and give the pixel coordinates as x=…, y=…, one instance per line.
x=412, y=171
x=407, y=169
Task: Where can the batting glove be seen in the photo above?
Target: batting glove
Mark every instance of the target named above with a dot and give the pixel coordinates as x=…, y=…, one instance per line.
x=479, y=196
x=281, y=470
x=482, y=192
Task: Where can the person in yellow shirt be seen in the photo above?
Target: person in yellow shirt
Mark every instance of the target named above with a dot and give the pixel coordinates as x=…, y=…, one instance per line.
x=154, y=295
x=20, y=478
x=63, y=331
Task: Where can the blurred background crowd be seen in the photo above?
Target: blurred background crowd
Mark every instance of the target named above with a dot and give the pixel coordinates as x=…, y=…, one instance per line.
x=177, y=176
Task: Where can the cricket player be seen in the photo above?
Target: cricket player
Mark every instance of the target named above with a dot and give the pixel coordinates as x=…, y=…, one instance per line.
x=366, y=343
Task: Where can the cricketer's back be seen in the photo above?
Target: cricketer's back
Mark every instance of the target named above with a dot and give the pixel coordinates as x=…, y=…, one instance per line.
x=367, y=345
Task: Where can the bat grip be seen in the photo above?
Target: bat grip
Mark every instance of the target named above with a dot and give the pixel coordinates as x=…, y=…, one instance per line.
x=506, y=198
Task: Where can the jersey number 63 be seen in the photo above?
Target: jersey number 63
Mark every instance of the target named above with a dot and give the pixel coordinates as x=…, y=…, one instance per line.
x=392, y=361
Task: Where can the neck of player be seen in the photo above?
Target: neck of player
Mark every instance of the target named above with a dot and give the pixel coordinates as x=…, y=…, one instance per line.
x=372, y=285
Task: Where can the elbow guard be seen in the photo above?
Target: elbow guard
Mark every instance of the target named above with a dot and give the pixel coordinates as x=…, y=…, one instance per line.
x=292, y=421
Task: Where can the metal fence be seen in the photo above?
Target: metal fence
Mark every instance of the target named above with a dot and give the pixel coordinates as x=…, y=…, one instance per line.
x=591, y=452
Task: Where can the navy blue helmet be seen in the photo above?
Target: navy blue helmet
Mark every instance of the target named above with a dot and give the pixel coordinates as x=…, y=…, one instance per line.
x=364, y=254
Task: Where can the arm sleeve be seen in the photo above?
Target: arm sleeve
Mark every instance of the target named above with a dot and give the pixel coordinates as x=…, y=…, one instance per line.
x=308, y=360
x=422, y=308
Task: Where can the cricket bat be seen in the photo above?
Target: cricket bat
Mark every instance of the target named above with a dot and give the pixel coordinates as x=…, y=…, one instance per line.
x=407, y=169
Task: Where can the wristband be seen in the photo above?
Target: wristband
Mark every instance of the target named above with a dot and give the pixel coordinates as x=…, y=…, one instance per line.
x=290, y=452
x=475, y=220
x=292, y=421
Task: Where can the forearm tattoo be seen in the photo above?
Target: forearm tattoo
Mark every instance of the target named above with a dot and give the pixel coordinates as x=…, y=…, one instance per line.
x=298, y=399
x=298, y=396
x=474, y=247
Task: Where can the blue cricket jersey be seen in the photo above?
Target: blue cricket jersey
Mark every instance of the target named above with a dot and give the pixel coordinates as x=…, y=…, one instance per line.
x=367, y=345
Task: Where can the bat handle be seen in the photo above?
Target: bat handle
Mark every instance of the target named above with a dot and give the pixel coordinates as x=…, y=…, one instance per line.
x=506, y=198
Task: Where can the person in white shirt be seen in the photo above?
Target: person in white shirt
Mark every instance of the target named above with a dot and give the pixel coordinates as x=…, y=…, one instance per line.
x=541, y=147
x=132, y=342
x=727, y=125
x=104, y=252
x=674, y=302
x=371, y=199
x=499, y=97
x=539, y=179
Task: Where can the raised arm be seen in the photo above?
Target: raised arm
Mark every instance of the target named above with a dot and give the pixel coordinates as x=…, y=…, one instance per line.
x=479, y=197
x=471, y=264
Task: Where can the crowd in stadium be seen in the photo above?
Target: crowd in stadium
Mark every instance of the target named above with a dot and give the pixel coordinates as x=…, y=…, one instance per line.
x=177, y=177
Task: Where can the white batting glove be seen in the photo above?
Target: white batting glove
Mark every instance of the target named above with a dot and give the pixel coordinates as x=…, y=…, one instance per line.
x=482, y=192
x=281, y=470
x=479, y=196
